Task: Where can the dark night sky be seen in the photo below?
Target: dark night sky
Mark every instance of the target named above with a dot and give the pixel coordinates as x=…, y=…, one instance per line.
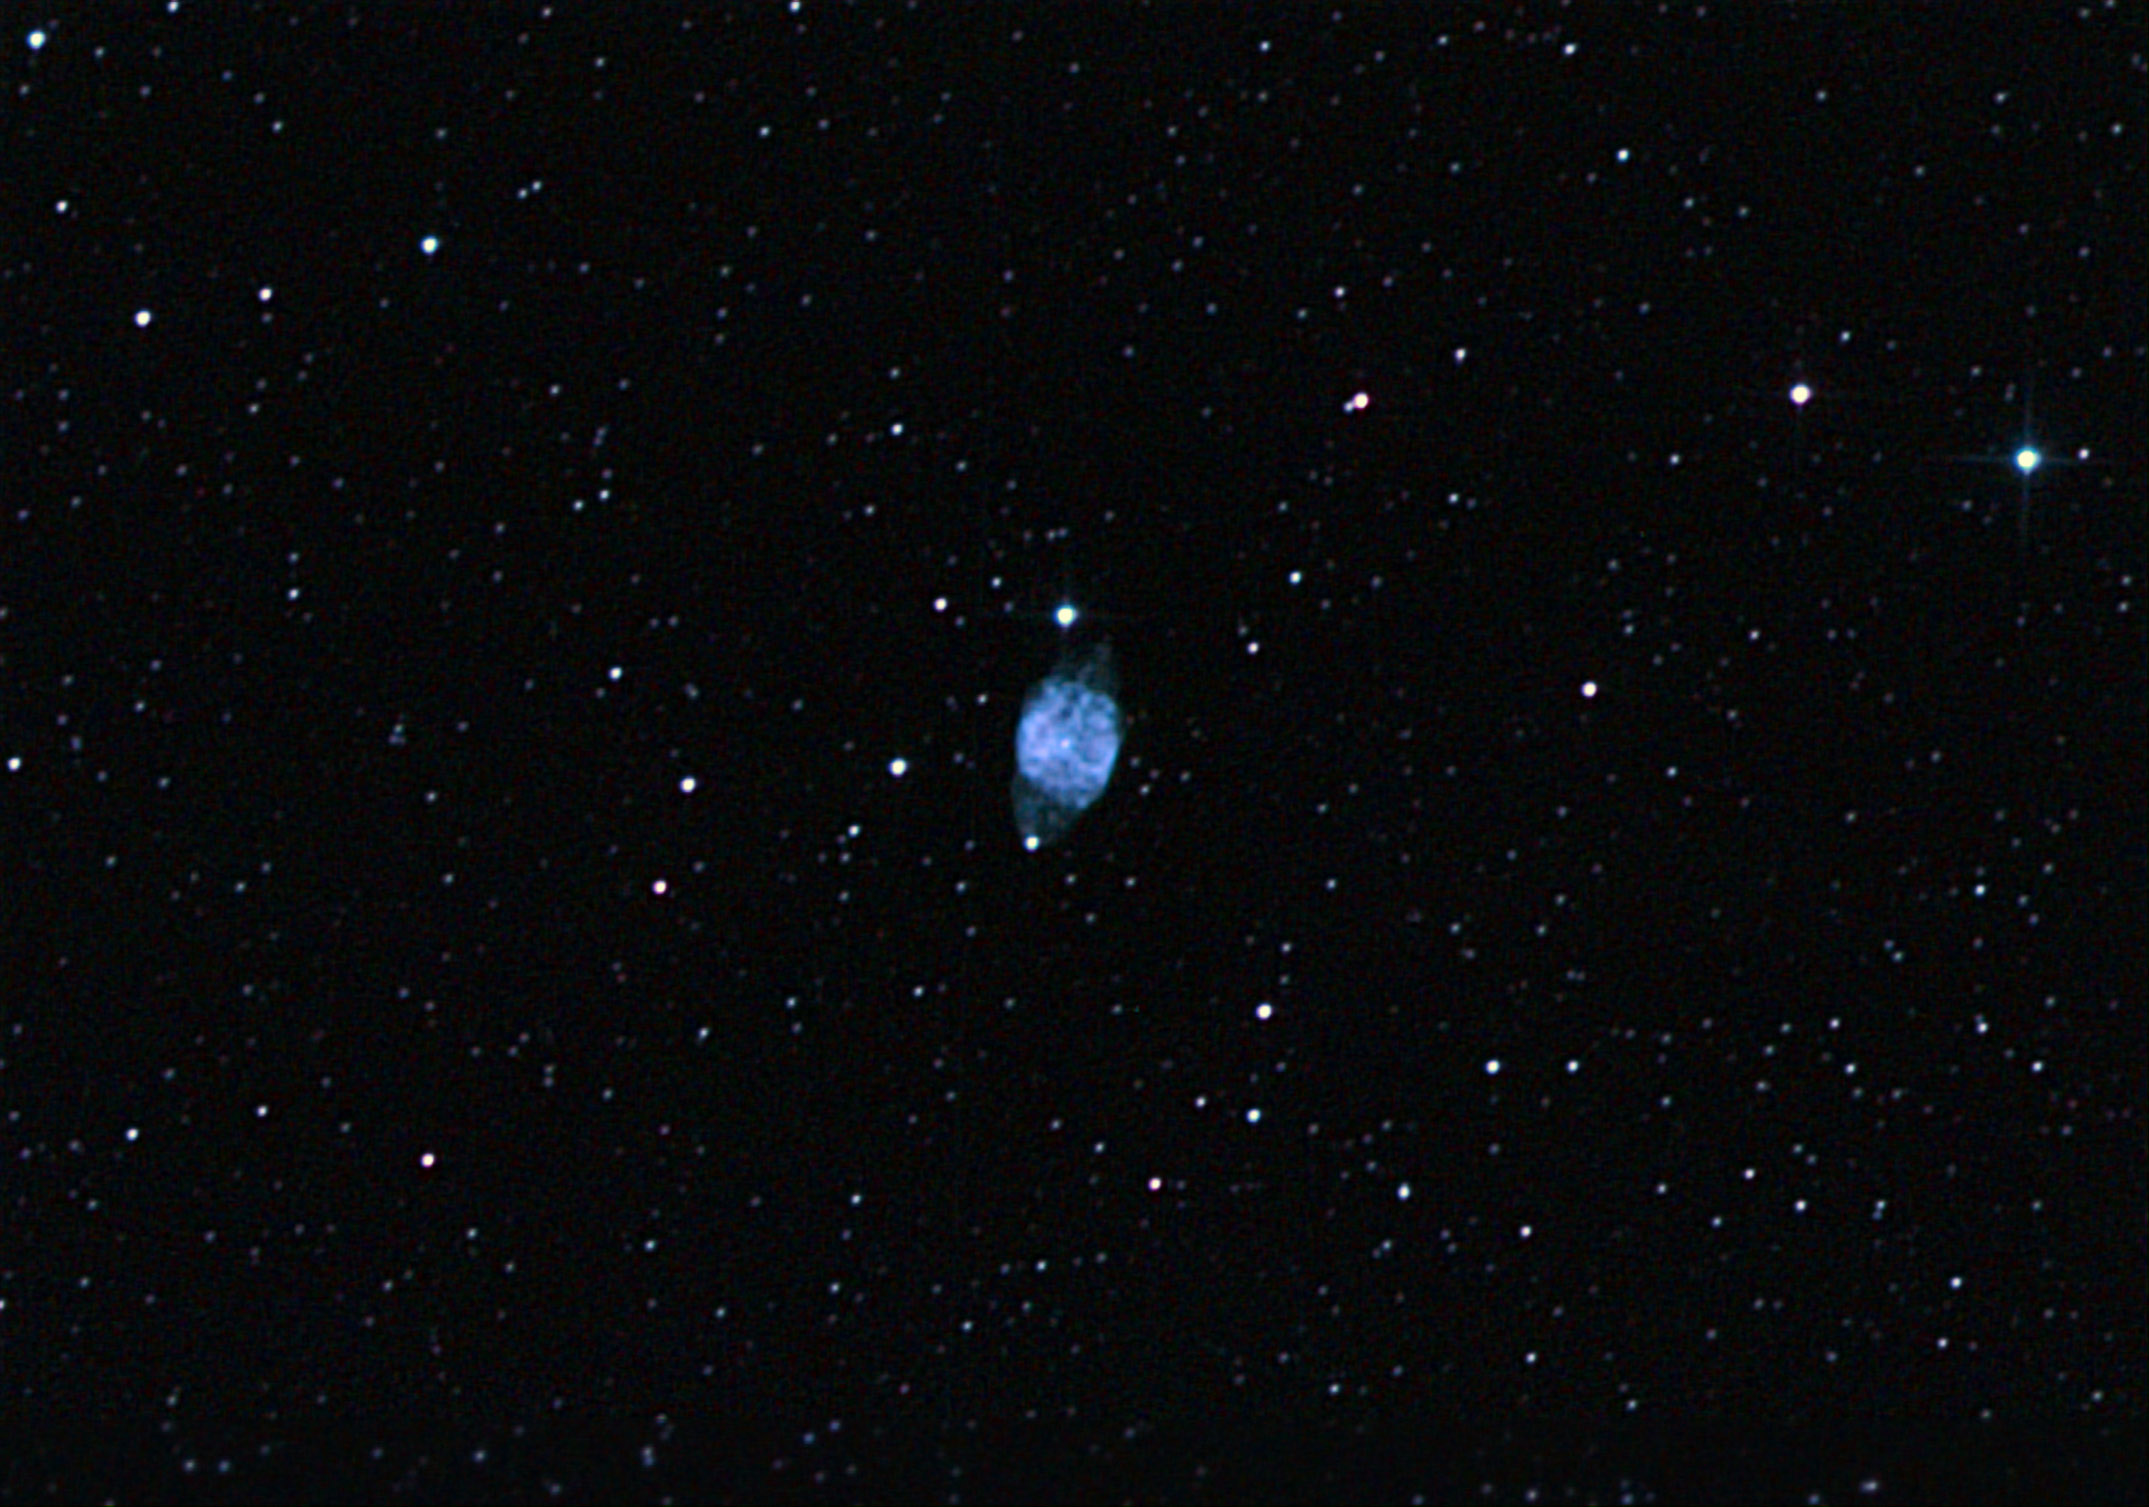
x=1612, y=965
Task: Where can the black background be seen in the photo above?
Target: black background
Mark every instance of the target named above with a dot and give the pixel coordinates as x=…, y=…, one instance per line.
x=1419, y=1076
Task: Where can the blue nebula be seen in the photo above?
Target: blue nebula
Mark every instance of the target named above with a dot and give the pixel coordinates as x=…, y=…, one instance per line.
x=1066, y=745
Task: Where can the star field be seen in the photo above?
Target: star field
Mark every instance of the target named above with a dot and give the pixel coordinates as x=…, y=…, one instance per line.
x=1610, y=964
